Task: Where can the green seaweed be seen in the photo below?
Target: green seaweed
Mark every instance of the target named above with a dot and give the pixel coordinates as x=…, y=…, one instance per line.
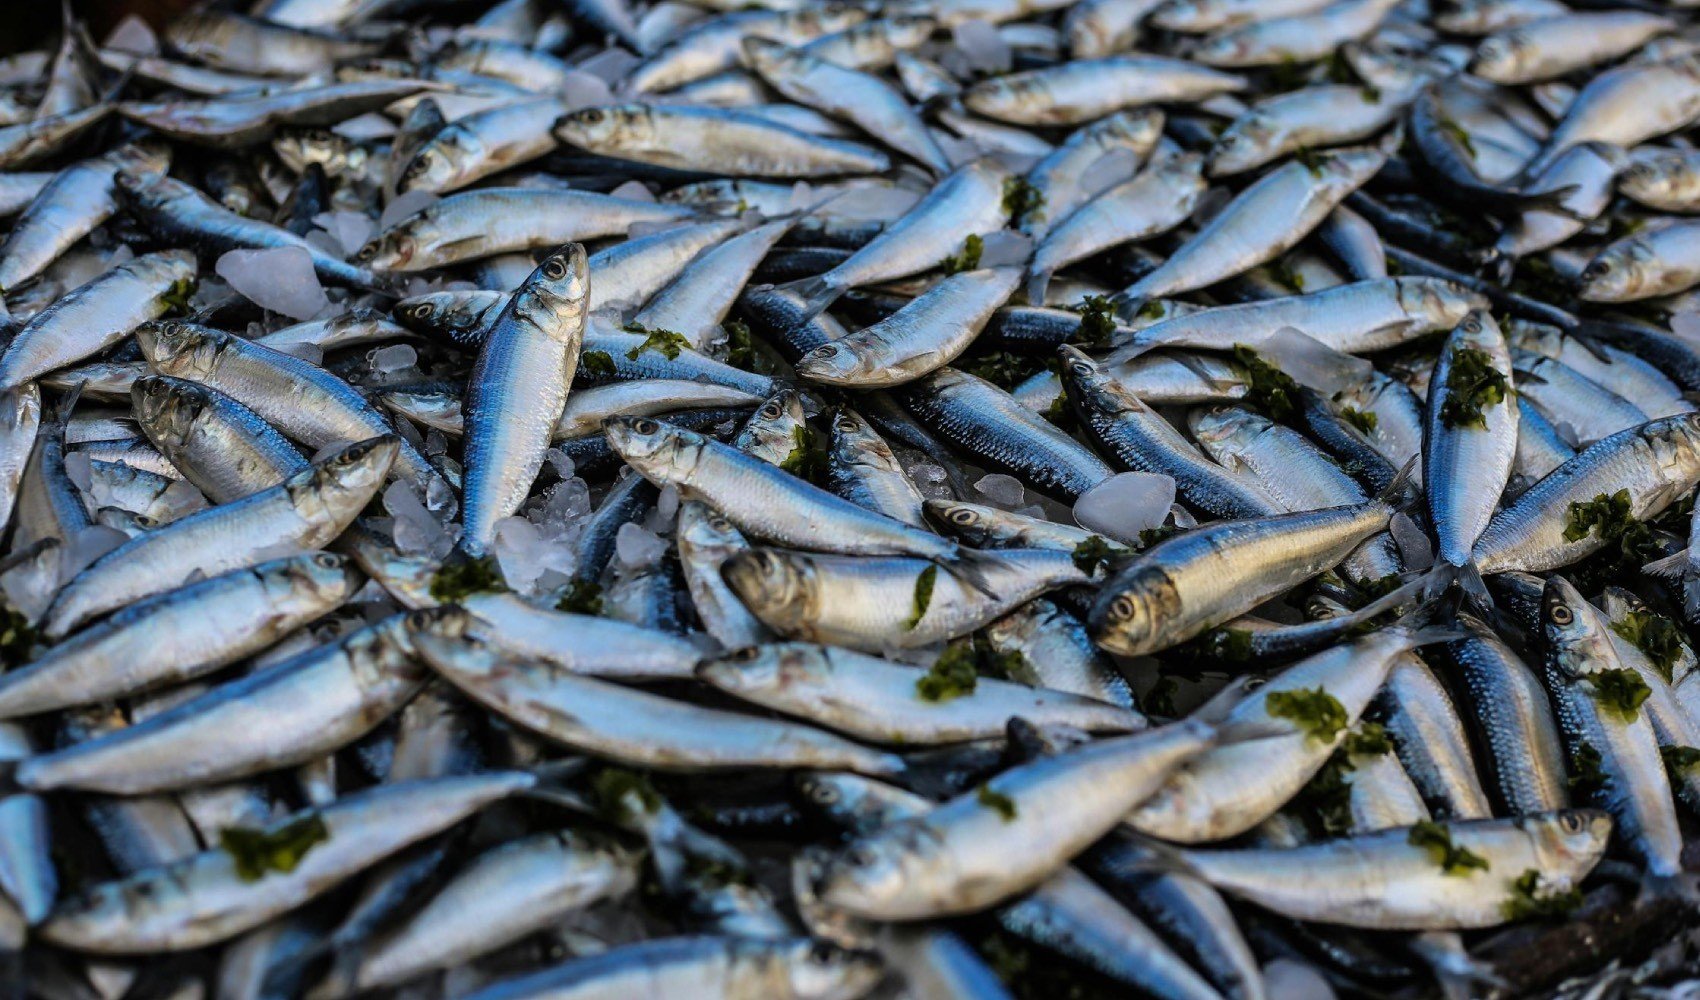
x=583, y=597
x=666, y=343
x=1023, y=201
x=273, y=848
x=1527, y=902
x=1472, y=383
x=598, y=363
x=1268, y=388
x=1619, y=690
x=954, y=674
x=923, y=595
x=968, y=258
x=459, y=578
x=1313, y=710
x=1436, y=839
x=1003, y=804
x=1654, y=635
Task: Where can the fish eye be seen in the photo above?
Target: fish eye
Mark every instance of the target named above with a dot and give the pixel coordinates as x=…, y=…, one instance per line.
x=644, y=425
x=1472, y=326
x=746, y=655
x=821, y=952
x=420, y=311
x=1080, y=367
x=367, y=252
x=421, y=618
x=962, y=515
x=1571, y=822
x=771, y=410
x=590, y=116
x=554, y=269
x=846, y=425
x=1560, y=614
x=326, y=560
x=1121, y=608
x=420, y=164
x=823, y=793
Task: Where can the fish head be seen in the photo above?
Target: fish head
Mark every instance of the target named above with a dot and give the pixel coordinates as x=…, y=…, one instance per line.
x=1222, y=425
x=1574, y=633
x=849, y=800
x=1227, y=49
x=1242, y=145
x=651, y=447
x=775, y=424
x=1184, y=15
x=833, y=363
x=771, y=667
x=908, y=31
x=321, y=575
x=1137, y=129
x=298, y=148
x=142, y=158
x=1618, y=273
x=149, y=189
x=776, y=586
x=1130, y=613
x=177, y=347
x=1479, y=331
x=1567, y=838
x=1654, y=177
x=168, y=408
x=562, y=281
x=441, y=163
x=876, y=870
x=975, y=523
x=820, y=970
x=606, y=128
x=854, y=441
x=1443, y=304
x=344, y=481
x=1502, y=58
x=393, y=249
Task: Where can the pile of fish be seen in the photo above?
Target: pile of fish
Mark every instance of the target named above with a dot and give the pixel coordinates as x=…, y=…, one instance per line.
x=802, y=500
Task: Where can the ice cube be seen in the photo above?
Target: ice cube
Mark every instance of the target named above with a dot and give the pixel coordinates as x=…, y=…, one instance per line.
x=1311, y=362
x=1285, y=979
x=519, y=548
x=368, y=126
x=392, y=358
x=325, y=242
x=1005, y=248
x=560, y=461
x=982, y=47
x=1686, y=326
x=635, y=190
x=1000, y=490
x=612, y=63
x=404, y=206
x=1414, y=546
x=86, y=546
x=636, y=546
x=280, y=279
x=1125, y=504
x=417, y=532
x=351, y=229
x=133, y=37
x=80, y=471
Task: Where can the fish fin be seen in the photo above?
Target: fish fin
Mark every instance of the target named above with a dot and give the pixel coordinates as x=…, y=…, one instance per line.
x=971, y=566
x=1459, y=976
x=1433, y=620
x=1150, y=857
x=816, y=292
x=1192, y=364
x=1127, y=304
x=1215, y=710
x=1671, y=567
x=1037, y=282
x=1527, y=376
x=1551, y=201
x=1400, y=494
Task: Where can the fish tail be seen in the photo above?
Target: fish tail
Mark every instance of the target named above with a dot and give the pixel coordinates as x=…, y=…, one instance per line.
x=816, y=292
x=1552, y=200
x=1037, y=282
x=1128, y=303
x=1459, y=975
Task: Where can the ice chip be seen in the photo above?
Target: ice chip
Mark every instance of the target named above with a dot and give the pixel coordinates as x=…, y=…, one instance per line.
x=1005, y=248
x=392, y=358
x=635, y=190
x=368, y=126
x=636, y=546
x=351, y=229
x=1000, y=490
x=1125, y=504
x=133, y=37
x=982, y=47
x=1311, y=362
x=612, y=63
x=1285, y=979
x=519, y=548
x=79, y=470
x=404, y=206
x=86, y=546
x=279, y=279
